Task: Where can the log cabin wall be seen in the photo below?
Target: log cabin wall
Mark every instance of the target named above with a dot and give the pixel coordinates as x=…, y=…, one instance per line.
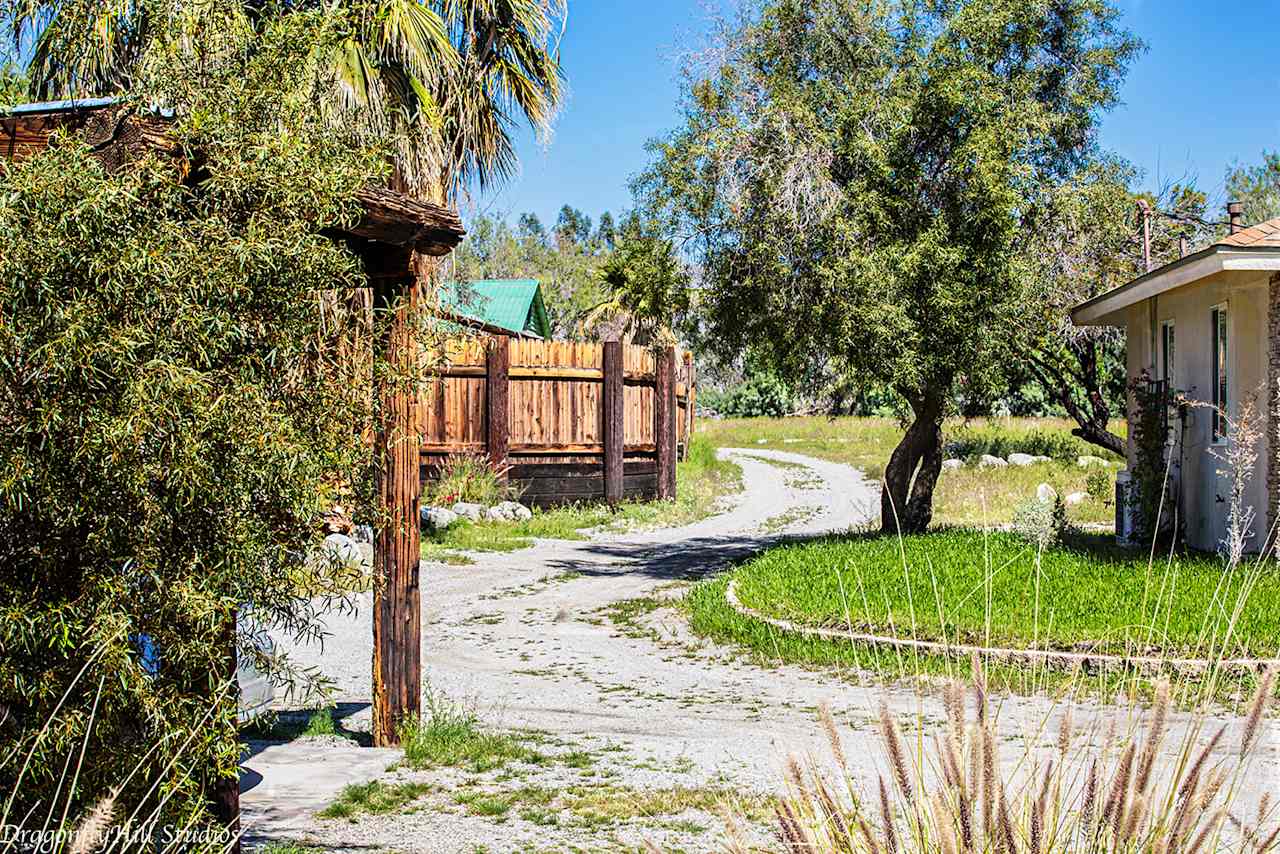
x=556, y=416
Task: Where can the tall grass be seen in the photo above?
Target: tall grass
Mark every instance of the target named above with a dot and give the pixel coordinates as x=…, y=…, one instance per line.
x=1089, y=793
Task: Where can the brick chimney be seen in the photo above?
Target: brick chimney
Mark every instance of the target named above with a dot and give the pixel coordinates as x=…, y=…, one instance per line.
x=1235, y=214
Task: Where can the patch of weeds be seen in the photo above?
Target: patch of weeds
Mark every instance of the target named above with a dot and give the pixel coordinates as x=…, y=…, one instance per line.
x=479, y=803
x=627, y=613
x=578, y=759
x=449, y=735
x=286, y=848
x=373, y=798
x=791, y=516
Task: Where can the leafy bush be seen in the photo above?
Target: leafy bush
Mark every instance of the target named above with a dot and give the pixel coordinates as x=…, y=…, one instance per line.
x=467, y=477
x=1041, y=523
x=1101, y=485
x=990, y=439
x=762, y=395
x=172, y=422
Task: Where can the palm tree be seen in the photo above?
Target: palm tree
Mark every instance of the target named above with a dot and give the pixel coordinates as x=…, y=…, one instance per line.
x=446, y=80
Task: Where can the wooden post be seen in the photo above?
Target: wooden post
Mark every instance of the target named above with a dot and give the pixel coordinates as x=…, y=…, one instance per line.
x=664, y=421
x=497, y=398
x=397, y=621
x=691, y=396
x=688, y=405
x=612, y=424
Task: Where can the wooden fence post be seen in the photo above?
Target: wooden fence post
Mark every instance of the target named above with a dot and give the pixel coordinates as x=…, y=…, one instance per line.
x=497, y=398
x=612, y=426
x=688, y=405
x=664, y=421
x=397, y=615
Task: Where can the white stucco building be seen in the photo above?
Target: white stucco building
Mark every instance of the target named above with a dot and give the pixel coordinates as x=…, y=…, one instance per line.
x=1209, y=324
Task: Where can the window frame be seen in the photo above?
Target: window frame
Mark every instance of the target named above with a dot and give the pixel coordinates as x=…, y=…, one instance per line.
x=1220, y=336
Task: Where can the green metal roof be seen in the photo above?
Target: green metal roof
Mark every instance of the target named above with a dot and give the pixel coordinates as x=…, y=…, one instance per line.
x=512, y=304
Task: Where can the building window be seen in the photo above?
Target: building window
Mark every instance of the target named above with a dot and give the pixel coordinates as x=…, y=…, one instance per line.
x=1221, y=373
x=1167, y=353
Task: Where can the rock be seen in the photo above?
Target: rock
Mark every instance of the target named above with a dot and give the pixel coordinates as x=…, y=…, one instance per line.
x=1089, y=462
x=762, y=441
x=362, y=533
x=341, y=549
x=986, y=461
x=952, y=464
x=1022, y=460
x=1075, y=498
x=508, y=511
x=1046, y=493
x=438, y=518
x=467, y=510
x=1041, y=458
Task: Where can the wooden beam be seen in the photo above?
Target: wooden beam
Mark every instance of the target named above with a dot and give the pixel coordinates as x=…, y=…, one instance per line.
x=612, y=421
x=497, y=399
x=664, y=422
x=397, y=609
x=687, y=397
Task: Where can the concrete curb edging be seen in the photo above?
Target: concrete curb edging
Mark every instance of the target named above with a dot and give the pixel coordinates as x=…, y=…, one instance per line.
x=1055, y=658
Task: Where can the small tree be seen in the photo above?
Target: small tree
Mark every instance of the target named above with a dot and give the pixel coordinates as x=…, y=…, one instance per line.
x=1090, y=240
x=173, y=420
x=856, y=181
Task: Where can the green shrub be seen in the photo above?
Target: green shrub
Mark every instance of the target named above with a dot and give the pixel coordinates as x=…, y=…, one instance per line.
x=466, y=477
x=1101, y=485
x=999, y=442
x=1041, y=523
x=173, y=420
x=762, y=395
x=448, y=734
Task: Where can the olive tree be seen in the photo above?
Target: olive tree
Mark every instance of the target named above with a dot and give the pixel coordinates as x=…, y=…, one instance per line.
x=855, y=180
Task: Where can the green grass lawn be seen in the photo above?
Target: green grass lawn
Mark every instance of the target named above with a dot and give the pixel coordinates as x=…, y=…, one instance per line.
x=964, y=586
x=968, y=496
x=701, y=481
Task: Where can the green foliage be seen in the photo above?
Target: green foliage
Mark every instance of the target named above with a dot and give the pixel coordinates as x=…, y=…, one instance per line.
x=374, y=798
x=973, y=441
x=1257, y=186
x=1101, y=485
x=646, y=285
x=13, y=85
x=1150, y=470
x=855, y=181
x=466, y=477
x=761, y=394
x=568, y=270
x=172, y=419
x=447, y=734
x=1041, y=523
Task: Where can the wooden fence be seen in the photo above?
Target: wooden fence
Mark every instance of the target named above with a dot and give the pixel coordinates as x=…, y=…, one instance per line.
x=574, y=421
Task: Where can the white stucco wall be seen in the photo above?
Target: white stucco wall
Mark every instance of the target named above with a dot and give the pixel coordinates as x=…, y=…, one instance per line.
x=1204, y=491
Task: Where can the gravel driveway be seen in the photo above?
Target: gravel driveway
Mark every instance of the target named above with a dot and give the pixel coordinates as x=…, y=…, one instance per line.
x=527, y=639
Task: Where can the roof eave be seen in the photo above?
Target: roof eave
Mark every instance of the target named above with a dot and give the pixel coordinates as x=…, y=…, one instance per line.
x=1099, y=310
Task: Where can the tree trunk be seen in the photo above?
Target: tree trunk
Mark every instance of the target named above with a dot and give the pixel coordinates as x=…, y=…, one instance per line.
x=906, y=503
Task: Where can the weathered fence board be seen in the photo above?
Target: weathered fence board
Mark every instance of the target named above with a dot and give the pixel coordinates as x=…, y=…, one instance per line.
x=573, y=421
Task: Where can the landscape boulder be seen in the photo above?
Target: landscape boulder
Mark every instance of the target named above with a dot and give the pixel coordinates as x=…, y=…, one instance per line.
x=1089, y=462
x=1046, y=493
x=1075, y=498
x=952, y=464
x=438, y=518
x=1023, y=460
x=467, y=510
x=987, y=461
x=509, y=511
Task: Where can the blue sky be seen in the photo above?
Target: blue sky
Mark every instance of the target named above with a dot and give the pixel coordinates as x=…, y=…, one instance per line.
x=1206, y=92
